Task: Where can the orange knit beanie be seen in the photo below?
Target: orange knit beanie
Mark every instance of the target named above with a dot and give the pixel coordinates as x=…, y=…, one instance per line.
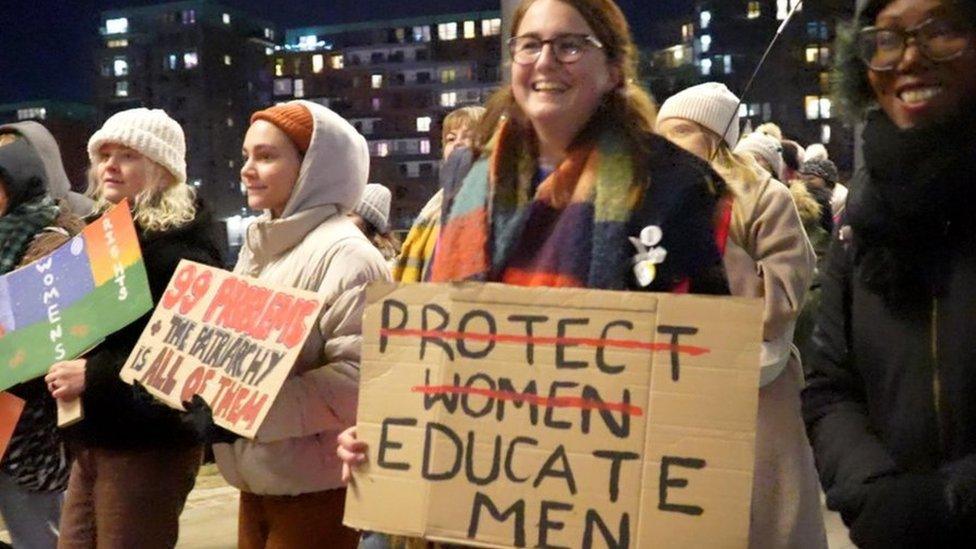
x=292, y=118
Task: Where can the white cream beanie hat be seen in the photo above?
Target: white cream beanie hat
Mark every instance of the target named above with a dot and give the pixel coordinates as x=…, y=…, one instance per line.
x=151, y=132
x=765, y=147
x=375, y=206
x=710, y=104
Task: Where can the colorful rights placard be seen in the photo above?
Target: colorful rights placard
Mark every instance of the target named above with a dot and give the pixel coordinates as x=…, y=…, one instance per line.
x=65, y=303
x=501, y=416
x=229, y=338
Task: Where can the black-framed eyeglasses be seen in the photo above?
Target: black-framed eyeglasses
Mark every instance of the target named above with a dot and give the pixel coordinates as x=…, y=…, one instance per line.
x=568, y=48
x=938, y=39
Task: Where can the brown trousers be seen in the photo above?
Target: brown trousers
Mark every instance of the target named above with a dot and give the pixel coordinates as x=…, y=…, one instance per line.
x=127, y=498
x=295, y=522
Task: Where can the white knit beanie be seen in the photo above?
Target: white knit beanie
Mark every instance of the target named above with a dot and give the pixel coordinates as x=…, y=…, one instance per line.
x=765, y=147
x=152, y=133
x=375, y=206
x=816, y=151
x=710, y=104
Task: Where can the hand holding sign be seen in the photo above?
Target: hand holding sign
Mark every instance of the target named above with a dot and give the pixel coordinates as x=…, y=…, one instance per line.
x=351, y=451
x=66, y=380
x=230, y=339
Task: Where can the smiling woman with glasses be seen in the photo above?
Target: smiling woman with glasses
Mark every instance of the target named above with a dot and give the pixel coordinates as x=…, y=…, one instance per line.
x=889, y=399
x=568, y=48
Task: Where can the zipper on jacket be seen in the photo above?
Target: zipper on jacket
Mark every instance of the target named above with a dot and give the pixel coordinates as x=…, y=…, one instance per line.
x=936, y=385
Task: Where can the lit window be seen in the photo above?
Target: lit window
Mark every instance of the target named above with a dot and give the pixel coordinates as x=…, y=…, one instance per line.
x=795, y=4
x=448, y=76
x=117, y=26
x=706, y=67
x=382, y=148
x=782, y=9
x=226, y=18
x=811, y=104
x=423, y=124
x=336, y=61
x=448, y=99
x=307, y=42
x=825, y=133
x=706, y=43
x=679, y=55
x=279, y=66
x=377, y=103
x=121, y=88
x=727, y=64
x=812, y=52
x=824, y=55
x=377, y=81
x=743, y=110
x=189, y=17
x=299, y=88
x=755, y=10
x=469, y=29
x=230, y=164
x=196, y=183
x=268, y=51
x=421, y=34
x=706, y=18
x=825, y=105
x=687, y=31
x=39, y=113
x=318, y=63
x=118, y=43
x=227, y=60
x=230, y=122
x=447, y=31
x=190, y=59
x=425, y=146
x=491, y=27
x=269, y=34
x=401, y=35
x=282, y=86
x=120, y=67
x=169, y=62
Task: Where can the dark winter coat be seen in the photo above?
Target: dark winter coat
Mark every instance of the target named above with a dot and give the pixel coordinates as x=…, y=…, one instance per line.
x=114, y=415
x=890, y=404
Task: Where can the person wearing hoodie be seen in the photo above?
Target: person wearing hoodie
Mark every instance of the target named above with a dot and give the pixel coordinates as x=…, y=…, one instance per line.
x=34, y=469
x=889, y=401
x=767, y=255
x=57, y=180
x=135, y=459
x=306, y=168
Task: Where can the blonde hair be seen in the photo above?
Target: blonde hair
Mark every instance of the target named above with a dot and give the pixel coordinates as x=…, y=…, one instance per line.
x=8, y=138
x=746, y=181
x=460, y=118
x=162, y=204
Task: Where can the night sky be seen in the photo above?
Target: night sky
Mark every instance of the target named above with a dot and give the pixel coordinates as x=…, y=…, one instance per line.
x=47, y=46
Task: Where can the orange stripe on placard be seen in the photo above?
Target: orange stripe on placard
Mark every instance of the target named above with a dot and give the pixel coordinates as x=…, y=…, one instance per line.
x=111, y=241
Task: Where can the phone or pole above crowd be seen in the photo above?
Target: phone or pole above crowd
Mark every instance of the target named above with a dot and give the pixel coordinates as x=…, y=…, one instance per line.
x=570, y=177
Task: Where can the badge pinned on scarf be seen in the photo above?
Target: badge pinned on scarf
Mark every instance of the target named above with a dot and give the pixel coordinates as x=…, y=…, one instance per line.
x=649, y=254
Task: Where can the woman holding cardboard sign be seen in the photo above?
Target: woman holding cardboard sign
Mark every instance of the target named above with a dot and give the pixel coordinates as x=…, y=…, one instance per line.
x=570, y=187
x=135, y=460
x=306, y=168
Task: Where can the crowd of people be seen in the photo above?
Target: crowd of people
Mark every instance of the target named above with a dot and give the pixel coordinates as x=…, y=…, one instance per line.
x=867, y=286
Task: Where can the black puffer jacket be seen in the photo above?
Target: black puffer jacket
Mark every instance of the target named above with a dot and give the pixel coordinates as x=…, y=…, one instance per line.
x=114, y=416
x=890, y=404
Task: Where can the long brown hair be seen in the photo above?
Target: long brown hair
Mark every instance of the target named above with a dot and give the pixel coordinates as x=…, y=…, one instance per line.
x=628, y=107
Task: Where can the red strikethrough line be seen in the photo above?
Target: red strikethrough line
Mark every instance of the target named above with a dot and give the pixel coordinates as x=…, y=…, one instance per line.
x=539, y=340
x=538, y=400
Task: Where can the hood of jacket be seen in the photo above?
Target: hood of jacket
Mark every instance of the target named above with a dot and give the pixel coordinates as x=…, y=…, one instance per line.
x=335, y=168
x=47, y=149
x=22, y=172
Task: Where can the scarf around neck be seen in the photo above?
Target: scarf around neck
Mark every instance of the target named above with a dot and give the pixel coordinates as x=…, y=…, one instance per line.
x=19, y=226
x=912, y=208
x=489, y=212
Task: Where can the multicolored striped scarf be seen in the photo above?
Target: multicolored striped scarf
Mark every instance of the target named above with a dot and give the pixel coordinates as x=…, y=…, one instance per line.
x=594, y=192
x=413, y=263
x=19, y=226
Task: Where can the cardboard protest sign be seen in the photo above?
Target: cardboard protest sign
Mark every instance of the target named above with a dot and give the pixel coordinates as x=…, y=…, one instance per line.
x=504, y=416
x=231, y=339
x=62, y=305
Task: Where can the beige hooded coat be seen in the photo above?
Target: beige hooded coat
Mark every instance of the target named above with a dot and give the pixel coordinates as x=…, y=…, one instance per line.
x=312, y=246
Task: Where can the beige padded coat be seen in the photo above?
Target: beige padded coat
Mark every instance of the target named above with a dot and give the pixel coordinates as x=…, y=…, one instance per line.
x=312, y=246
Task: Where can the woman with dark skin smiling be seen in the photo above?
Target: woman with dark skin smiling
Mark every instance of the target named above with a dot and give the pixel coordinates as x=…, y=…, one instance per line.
x=889, y=403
